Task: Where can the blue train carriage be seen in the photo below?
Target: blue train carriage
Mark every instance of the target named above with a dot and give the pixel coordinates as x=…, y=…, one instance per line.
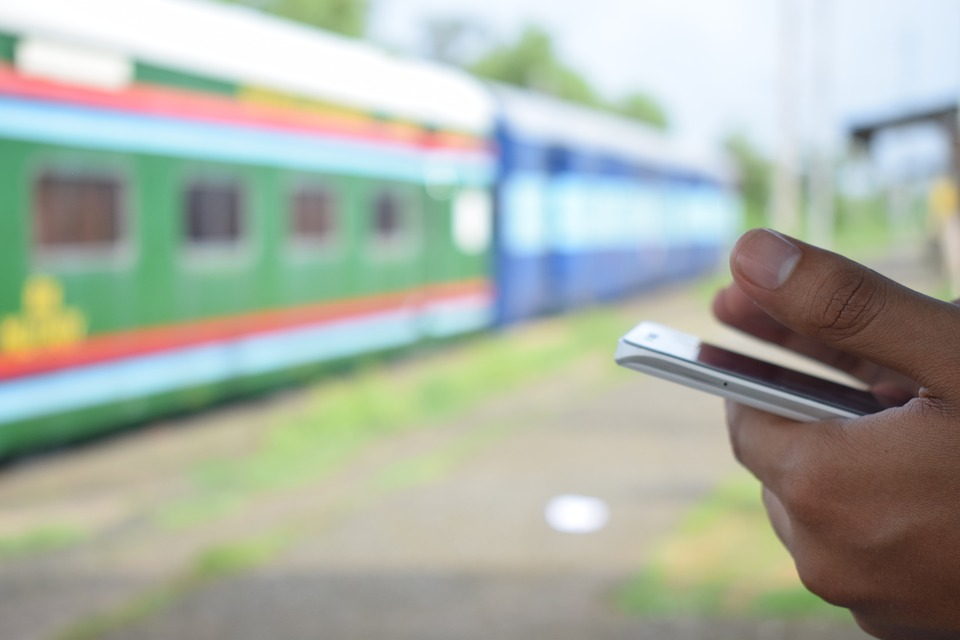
x=592, y=207
x=704, y=211
x=201, y=201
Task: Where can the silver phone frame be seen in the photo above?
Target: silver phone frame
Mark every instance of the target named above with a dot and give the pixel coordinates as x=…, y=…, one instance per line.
x=633, y=353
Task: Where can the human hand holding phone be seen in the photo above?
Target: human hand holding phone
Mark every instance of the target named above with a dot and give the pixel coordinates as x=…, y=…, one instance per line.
x=869, y=507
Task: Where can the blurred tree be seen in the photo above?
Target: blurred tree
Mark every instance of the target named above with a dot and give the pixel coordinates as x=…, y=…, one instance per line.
x=755, y=172
x=533, y=63
x=643, y=107
x=347, y=17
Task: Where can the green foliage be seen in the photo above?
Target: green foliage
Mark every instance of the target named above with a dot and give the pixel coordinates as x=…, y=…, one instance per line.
x=347, y=17
x=862, y=227
x=755, y=177
x=532, y=62
x=643, y=107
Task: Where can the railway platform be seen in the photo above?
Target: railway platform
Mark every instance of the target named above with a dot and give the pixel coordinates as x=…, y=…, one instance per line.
x=423, y=533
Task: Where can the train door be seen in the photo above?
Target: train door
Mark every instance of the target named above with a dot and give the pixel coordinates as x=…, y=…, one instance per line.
x=561, y=203
x=650, y=221
x=457, y=229
x=435, y=262
x=391, y=256
x=572, y=219
x=524, y=287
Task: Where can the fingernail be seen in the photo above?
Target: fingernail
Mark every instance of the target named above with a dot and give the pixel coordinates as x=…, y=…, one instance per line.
x=767, y=259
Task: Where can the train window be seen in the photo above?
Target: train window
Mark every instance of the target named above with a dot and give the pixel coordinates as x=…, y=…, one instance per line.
x=313, y=216
x=213, y=213
x=77, y=212
x=388, y=218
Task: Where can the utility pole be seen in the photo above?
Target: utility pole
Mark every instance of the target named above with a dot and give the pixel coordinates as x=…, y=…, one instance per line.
x=821, y=214
x=786, y=192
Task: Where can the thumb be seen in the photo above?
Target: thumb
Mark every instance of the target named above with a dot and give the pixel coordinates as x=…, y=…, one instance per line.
x=841, y=303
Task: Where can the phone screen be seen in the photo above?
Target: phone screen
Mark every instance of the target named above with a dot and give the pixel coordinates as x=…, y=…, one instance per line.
x=825, y=391
x=684, y=347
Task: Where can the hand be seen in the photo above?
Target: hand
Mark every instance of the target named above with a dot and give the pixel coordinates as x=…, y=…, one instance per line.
x=869, y=508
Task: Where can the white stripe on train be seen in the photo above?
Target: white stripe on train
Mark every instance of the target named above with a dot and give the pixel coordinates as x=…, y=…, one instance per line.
x=139, y=377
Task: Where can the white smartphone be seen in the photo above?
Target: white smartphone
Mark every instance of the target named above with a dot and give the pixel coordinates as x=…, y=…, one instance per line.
x=672, y=355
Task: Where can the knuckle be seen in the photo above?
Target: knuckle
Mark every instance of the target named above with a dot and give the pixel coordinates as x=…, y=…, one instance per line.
x=930, y=408
x=734, y=419
x=811, y=484
x=869, y=625
x=802, y=497
x=825, y=577
x=850, y=301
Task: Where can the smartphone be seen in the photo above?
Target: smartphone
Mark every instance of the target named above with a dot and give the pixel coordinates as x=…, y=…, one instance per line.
x=672, y=355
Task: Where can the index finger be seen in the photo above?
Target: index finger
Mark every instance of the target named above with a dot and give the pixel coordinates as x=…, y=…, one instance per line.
x=833, y=300
x=734, y=308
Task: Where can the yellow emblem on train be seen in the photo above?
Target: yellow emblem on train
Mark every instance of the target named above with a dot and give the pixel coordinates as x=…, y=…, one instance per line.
x=44, y=321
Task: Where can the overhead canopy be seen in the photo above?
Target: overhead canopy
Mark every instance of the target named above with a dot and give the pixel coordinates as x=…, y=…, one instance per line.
x=866, y=129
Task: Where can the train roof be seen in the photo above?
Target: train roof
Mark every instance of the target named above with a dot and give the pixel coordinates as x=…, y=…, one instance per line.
x=245, y=46
x=550, y=121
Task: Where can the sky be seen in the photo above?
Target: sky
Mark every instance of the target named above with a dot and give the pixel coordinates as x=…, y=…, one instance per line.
x=717, y=65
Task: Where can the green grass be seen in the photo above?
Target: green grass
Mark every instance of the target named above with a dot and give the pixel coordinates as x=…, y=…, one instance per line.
x=723, y=561
x=346, y=415
x=871, y=237
x=438, y=464
x=41, y=540
x=228, y=559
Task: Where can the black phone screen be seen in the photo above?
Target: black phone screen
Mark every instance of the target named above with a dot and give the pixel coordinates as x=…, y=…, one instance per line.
x=857, y=401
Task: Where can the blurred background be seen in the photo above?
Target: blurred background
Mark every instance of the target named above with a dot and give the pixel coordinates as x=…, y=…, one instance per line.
x=307, y=307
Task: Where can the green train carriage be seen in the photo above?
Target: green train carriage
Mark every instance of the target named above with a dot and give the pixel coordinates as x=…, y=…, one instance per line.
x=185, y=218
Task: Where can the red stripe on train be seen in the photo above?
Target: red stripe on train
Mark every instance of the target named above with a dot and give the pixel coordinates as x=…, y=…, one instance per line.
x=104, y=348
x=179, y=103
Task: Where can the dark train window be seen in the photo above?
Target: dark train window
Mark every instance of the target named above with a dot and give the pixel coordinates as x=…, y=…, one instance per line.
x=313, y=216
x=388, y=218
x=213, y=213
x=77, y=211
